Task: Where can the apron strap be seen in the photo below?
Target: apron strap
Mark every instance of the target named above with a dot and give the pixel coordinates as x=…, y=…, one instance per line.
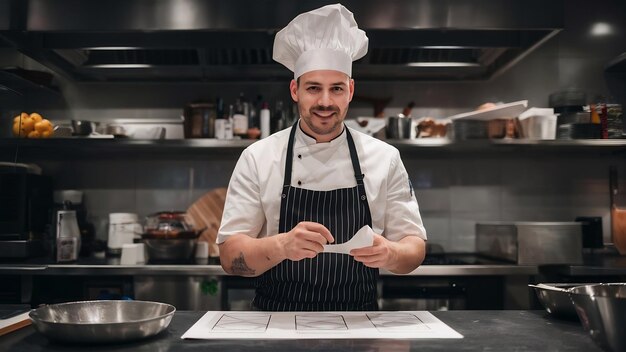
x=355, y=159
x=356, y=166
x=289, y=161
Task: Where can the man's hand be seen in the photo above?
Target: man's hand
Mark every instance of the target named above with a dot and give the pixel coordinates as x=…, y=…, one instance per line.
x=305, y=240
x=381, y=254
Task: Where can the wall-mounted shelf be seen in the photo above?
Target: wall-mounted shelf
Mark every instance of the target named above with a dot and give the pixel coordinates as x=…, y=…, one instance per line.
x=21, y=81
x=617, y=65
x=80, y=148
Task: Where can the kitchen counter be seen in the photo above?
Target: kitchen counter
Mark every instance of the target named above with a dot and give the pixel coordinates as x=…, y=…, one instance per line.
x=466, y=265
x=593, y=265
x=482, y=330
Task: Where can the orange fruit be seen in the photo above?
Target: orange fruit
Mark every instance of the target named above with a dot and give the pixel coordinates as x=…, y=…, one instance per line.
x=21, y=117
x=34, y=134
x=36, y=117
x=43, y=125
x=47, y=134
x=27, y=125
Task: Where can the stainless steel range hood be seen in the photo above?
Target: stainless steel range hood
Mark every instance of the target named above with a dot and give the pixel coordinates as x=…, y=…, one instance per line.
x=216, y=40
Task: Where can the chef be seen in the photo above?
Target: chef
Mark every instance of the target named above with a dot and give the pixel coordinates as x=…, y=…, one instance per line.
x=318, y=183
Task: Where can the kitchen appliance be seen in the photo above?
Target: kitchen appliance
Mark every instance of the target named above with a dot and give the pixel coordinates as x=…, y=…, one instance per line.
x=592, y=231
x=67, y=236
x=73, y=200
x=102, y=321
x=573, y=122
x=123, y=228
x=25, y=202
x=531, y=243
x=602, y=311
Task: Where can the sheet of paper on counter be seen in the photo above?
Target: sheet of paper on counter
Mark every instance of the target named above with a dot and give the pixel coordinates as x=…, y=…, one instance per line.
x=320, y=325
x=362, y=238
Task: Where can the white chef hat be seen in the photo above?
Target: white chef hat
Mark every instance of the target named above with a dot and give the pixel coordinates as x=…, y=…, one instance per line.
x=327, y=38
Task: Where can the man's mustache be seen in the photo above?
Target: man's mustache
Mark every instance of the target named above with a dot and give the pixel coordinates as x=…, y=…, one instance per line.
x=325, y=108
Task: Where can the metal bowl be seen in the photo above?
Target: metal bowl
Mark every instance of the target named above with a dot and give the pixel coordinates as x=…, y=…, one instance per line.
x=602, y=311
x=554, y=297
x=82, y=127
x=102, y=321
x=170, y=249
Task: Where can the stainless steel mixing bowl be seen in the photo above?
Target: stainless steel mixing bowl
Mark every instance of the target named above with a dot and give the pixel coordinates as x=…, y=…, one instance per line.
x=102, y=321
x=602, y=311
x=554, y=297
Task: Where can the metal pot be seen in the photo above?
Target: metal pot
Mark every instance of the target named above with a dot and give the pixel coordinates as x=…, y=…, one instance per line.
x=82, y=127
x=399, y=127
x=170, y=249
x=102, y=321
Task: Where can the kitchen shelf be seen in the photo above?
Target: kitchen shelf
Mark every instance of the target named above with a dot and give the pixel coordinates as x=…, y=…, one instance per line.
x=64, y=148
x=618, y=64
x=20, y=84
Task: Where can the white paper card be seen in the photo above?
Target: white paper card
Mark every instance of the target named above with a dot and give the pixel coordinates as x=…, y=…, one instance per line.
x=320, y=325
x=362, y=238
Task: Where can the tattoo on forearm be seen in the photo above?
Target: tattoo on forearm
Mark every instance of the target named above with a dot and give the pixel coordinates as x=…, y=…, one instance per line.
x=239, y=266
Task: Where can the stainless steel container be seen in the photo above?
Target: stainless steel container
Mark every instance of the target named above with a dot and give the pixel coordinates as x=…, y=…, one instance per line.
x=399, y=127
x=554, y=297
x=602, y=311
x=531, y=243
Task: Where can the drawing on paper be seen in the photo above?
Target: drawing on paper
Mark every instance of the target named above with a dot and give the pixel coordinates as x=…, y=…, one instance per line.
x=315, y=322
x=320, y=325
x=391, y=322
x=239, y=322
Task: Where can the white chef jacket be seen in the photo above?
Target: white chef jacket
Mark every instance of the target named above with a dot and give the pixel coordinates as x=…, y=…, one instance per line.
x=254, y=194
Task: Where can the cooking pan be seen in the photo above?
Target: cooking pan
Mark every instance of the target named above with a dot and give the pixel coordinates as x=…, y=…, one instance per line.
x=102, y=321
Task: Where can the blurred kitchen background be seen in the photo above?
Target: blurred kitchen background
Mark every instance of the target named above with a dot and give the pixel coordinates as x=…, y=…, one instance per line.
x=526, y=50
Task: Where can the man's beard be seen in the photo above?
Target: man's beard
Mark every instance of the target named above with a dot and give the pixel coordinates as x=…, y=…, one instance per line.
x=327, y=129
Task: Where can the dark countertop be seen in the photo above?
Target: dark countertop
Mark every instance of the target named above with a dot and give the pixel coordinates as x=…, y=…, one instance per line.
x=607, y=264
x=482, y=330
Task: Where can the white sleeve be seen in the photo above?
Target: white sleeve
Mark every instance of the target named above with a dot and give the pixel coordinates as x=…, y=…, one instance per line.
x=403, y=216
x=243, y=213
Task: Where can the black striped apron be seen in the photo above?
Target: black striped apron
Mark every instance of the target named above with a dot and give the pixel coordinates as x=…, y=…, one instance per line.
x=330, y=281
